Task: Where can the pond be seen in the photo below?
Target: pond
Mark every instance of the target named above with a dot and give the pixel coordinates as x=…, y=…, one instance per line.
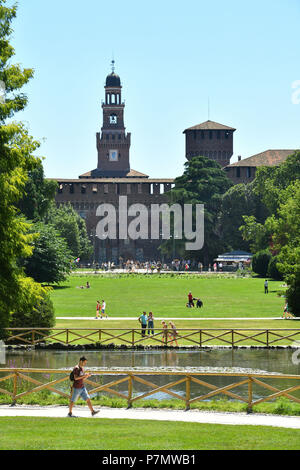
x=260, y=361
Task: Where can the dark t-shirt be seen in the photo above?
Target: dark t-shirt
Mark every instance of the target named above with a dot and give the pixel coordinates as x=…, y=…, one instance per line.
x=78, y=372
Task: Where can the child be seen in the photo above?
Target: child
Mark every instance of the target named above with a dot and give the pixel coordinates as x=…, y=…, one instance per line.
x=174, y=333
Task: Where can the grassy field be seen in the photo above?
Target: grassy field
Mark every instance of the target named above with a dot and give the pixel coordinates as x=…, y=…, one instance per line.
x=128, y=296
x=104, y=434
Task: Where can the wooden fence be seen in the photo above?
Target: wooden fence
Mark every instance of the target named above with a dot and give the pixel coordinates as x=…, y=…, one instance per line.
x=133, y=337
x=130, y=379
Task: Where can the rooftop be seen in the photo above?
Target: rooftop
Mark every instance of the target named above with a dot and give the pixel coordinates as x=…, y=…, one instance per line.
x=210, y=125
x=266, y=158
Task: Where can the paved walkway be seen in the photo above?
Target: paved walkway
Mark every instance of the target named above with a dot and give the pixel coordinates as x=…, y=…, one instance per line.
x=177, y=318
x=161, y=415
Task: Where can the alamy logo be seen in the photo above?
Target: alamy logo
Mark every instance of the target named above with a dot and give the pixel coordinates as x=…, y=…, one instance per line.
x=2, y=353
x=296, y=354
x=296, y=93
x=2, y=92
x=152, y=223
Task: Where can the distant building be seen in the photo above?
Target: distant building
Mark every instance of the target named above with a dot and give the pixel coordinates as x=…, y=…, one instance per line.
x=210, y=139
x=244, y=171
x=113, y=177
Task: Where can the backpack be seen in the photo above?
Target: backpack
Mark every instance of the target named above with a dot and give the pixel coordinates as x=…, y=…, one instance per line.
x=71, y=376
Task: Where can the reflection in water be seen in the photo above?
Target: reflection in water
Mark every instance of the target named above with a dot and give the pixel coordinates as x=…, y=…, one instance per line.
x=214, y=360
x=250, y=360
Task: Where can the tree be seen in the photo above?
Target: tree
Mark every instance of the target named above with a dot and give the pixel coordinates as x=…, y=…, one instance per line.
x=51, y=258
x=203, y=182
x=35, y=308
x=72, y=228
x=260, y=262
x=16, y=150
x=38, y=194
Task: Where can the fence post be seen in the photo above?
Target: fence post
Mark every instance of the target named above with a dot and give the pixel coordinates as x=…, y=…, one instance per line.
x=188, y=393
x=32, y=337
x=267, y=338
x=132, y=337
x=249, y=407
x=130, y=388
x=67, y=338
x=15, y=389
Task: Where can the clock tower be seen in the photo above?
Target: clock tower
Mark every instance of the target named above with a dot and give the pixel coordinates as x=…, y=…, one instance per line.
x=113, y=144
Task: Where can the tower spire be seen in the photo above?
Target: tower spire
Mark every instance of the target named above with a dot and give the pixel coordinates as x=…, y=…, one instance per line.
x=113, y=65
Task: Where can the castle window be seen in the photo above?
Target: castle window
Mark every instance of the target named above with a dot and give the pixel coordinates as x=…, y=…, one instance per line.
x=83, y=189
x=227, y=134
x=210, y=134
x=71, y=188
x=202, y=135
x=218, y=135
x=195, y=135
x=106, y=189
x=238, y=172
x=249, y=172
x=107, y=136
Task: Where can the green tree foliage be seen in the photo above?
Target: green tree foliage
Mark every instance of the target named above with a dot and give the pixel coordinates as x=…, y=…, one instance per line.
x=34, y=308
x=73, y=229
x=51, y=258
x=16, y=160
x=203, y=182
x=260, y=262
x=39, y=194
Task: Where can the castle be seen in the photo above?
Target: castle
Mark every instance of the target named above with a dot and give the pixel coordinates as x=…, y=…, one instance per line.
x=114, y=177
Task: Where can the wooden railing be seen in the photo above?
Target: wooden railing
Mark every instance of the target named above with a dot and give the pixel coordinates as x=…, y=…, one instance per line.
x=140, y=379
x=133, y=337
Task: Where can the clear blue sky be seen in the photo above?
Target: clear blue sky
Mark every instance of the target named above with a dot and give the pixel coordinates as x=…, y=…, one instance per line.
x=172, y=56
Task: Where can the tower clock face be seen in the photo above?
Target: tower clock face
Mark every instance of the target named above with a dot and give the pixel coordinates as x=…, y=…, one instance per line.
x=113, y=155
x=113, y=119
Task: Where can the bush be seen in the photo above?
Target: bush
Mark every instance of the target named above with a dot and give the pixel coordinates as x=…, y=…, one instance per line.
x=273, y=271
x=34, y=309
x=260, y=262
x=293, y=296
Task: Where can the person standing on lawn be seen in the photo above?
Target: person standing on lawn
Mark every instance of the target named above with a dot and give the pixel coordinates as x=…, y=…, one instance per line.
x=143, y=321
x=266, y=286
x=103, y=307
x=78, y=389
x=98, y=306
x=150, y=323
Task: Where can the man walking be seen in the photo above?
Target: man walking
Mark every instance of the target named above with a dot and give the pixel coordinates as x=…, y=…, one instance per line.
x=78, y=388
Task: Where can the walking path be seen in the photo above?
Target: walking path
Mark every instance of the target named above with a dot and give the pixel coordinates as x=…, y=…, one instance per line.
x=160, y=415
x=177, y=318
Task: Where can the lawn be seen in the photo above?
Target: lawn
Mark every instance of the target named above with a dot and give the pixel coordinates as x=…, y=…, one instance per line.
x=104, y=434
x=166, y=296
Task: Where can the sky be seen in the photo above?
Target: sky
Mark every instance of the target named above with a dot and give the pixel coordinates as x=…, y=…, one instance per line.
x=181, y=63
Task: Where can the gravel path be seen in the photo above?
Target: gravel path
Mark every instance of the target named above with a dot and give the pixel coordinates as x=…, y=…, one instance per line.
x=161, y=415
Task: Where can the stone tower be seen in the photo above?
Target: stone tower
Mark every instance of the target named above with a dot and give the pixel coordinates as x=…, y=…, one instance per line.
x=212, y=140
x=113, y=144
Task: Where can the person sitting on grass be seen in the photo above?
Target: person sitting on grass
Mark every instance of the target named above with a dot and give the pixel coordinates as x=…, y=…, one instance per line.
x=199, y=303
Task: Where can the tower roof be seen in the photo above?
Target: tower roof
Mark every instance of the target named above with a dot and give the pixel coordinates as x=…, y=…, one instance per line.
x=113, y=80
x=209, y=125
